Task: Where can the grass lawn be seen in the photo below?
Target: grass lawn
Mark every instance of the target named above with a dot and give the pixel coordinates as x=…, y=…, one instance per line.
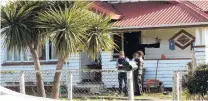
x=149, y=97
x=155, y=96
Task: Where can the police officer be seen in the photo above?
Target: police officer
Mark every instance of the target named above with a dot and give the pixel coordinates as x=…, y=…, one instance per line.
x=122, y=76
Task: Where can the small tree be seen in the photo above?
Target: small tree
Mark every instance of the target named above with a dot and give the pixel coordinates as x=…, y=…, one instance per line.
x=66, y=26
x=19, y=32
x=73, y=28
x=98, y=35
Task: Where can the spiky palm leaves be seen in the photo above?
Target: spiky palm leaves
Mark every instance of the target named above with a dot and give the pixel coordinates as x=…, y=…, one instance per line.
x=66, y=27
x=19, y=32
x=71, y=26
x=98, y=35
x=17, y=23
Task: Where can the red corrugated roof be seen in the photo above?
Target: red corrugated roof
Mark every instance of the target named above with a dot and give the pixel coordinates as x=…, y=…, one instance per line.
x=203, y=5
x=191, y=7
x=106, y=8
x=153, y=14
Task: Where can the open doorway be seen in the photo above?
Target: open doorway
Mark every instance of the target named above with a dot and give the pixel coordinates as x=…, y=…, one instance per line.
x=132, y=42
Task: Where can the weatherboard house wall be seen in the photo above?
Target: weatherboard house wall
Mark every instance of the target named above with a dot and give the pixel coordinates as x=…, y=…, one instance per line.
x=152, y=60
x=142, y=16
x=165, y=34
x=47, y=66
x=177, y=59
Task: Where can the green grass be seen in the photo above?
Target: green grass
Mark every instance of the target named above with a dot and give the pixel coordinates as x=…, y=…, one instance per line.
x=155, y=96
x=149, y=96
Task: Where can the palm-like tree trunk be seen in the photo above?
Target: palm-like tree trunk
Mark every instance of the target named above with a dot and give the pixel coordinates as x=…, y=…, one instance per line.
x=57, y=78
x=39, y=78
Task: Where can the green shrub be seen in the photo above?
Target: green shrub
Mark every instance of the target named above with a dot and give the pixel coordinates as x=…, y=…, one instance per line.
x=198, y=82
x=186, y=95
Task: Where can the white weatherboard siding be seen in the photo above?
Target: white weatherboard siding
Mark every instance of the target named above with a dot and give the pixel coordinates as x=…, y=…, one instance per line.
x=206, y=44
x=148, y=37
x=1, y=54
x=85, y=60
x=73, y=63
x=165, y=69
x=199, y=55
x=2, y=51
x=201, y=49
x=110, y=79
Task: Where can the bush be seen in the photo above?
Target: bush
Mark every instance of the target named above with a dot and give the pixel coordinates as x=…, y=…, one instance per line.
x=198, y=82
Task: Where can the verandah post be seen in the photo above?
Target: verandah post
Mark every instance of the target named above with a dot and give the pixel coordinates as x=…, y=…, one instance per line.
x=130, y=84
x=205, y=34
x=178, y=86
x=69, y=85
x=22, y=82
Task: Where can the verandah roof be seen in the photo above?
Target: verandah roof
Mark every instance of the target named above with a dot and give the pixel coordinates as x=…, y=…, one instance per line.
x=202, y=5
x=155, y=14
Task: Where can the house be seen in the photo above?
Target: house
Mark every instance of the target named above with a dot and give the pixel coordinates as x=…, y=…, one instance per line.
x=177, y=29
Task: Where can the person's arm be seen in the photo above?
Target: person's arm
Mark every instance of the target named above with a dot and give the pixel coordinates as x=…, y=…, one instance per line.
x=117, y=64
x=127, y=59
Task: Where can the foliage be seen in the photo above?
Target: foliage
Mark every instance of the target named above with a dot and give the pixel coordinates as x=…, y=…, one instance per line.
x=66, y=26
x=198, y=82
x=20, y=33
x=69, y=24
x=73, y=27
x=186, y=95
x=7, y=72
x=17, y=21
x=98, y=35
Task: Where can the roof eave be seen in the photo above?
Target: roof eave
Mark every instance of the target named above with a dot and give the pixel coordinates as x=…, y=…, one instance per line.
x=199, y=24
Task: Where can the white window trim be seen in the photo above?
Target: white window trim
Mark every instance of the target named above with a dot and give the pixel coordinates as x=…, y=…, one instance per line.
x=205, y=38
x=47, y=50
x=203, y=35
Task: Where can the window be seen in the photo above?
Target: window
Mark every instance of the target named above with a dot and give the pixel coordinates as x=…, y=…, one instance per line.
x=46, y=52
x=16, y=55
x=52, y=51
x=42, y=55
x=12, y=56
x=9, y=56
x=118, y=41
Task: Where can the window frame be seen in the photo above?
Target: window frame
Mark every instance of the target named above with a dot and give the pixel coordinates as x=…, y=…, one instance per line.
x=47, y=54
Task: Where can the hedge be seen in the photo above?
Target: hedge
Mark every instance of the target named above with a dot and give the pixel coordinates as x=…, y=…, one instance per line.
x=198, y=82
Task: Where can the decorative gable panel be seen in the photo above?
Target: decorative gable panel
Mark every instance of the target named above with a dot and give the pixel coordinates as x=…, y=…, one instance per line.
x=183, y=39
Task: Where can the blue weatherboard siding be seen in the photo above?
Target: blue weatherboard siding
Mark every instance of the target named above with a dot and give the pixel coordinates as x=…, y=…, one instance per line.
x=165, y=69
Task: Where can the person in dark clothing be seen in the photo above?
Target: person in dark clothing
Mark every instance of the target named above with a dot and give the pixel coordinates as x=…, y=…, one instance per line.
x=137, y=76
x=122, y=76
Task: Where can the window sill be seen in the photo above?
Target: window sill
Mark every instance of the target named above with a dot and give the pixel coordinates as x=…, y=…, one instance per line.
x=28, y=63
x=113, y=60
x=171, y=59
x=199, y=46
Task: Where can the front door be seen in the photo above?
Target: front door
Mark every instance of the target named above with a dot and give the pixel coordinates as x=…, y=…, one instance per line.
x=132, y=42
